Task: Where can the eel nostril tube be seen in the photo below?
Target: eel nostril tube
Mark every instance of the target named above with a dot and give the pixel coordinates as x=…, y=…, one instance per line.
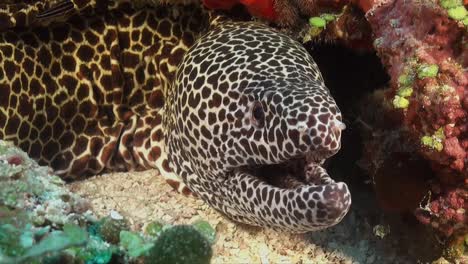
x=338, y=126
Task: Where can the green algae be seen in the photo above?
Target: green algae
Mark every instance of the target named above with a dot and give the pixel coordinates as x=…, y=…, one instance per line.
x=180, y=244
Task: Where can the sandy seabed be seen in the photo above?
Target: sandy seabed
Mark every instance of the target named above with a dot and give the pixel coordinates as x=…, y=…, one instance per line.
x=143, y=197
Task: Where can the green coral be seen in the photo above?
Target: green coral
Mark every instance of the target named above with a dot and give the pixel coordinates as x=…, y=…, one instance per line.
x=457, y=13
x=434, y=141
x=322, y=20
x=427, y=71
x=181, y=244
x=400, y=102
x=406, y=79
x=405, y=91
x=451, y=3
x=455, y=10
x=317, y=22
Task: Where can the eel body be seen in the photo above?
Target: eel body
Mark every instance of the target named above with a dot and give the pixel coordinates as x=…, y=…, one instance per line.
x=209, y=102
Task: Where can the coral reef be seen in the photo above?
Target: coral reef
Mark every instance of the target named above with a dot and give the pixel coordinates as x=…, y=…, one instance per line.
x=38, y=215
x=424, y=51
x=41, y=221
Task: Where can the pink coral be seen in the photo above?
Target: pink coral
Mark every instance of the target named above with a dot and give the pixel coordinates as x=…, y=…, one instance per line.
x=447, y=213
x=403, y=31
x=408, y=36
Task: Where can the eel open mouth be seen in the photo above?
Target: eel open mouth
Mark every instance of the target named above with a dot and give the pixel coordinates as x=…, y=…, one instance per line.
x=297, y=195
x=292, y=173
x=288, y=175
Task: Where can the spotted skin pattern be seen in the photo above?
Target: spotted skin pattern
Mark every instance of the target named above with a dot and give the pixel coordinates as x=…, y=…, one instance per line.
x=86, y=96
x=244, y=96
x=123, y=88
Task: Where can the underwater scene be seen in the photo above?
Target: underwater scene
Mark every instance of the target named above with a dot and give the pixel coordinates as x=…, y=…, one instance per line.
x=233, y=131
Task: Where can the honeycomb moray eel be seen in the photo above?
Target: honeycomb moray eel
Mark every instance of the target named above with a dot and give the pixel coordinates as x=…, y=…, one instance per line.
x=94, y=86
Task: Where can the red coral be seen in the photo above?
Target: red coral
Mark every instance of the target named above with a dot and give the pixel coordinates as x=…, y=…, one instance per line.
x=259, y=8
x=284, y=12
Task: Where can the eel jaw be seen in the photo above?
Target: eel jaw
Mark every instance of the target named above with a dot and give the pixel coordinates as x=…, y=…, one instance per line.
x=300, y=203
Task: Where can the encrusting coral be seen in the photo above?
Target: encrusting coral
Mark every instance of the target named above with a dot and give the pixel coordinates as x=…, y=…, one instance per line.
x=424, y=51
x=41, y=221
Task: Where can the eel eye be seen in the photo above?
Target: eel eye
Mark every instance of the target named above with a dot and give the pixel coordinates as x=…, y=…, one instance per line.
x=258, y=114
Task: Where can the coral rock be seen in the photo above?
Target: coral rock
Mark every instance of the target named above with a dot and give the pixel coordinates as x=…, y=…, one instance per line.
x=424, y=49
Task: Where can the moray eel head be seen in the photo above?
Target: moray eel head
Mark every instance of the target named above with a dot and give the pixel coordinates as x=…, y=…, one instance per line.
x=249, y=103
